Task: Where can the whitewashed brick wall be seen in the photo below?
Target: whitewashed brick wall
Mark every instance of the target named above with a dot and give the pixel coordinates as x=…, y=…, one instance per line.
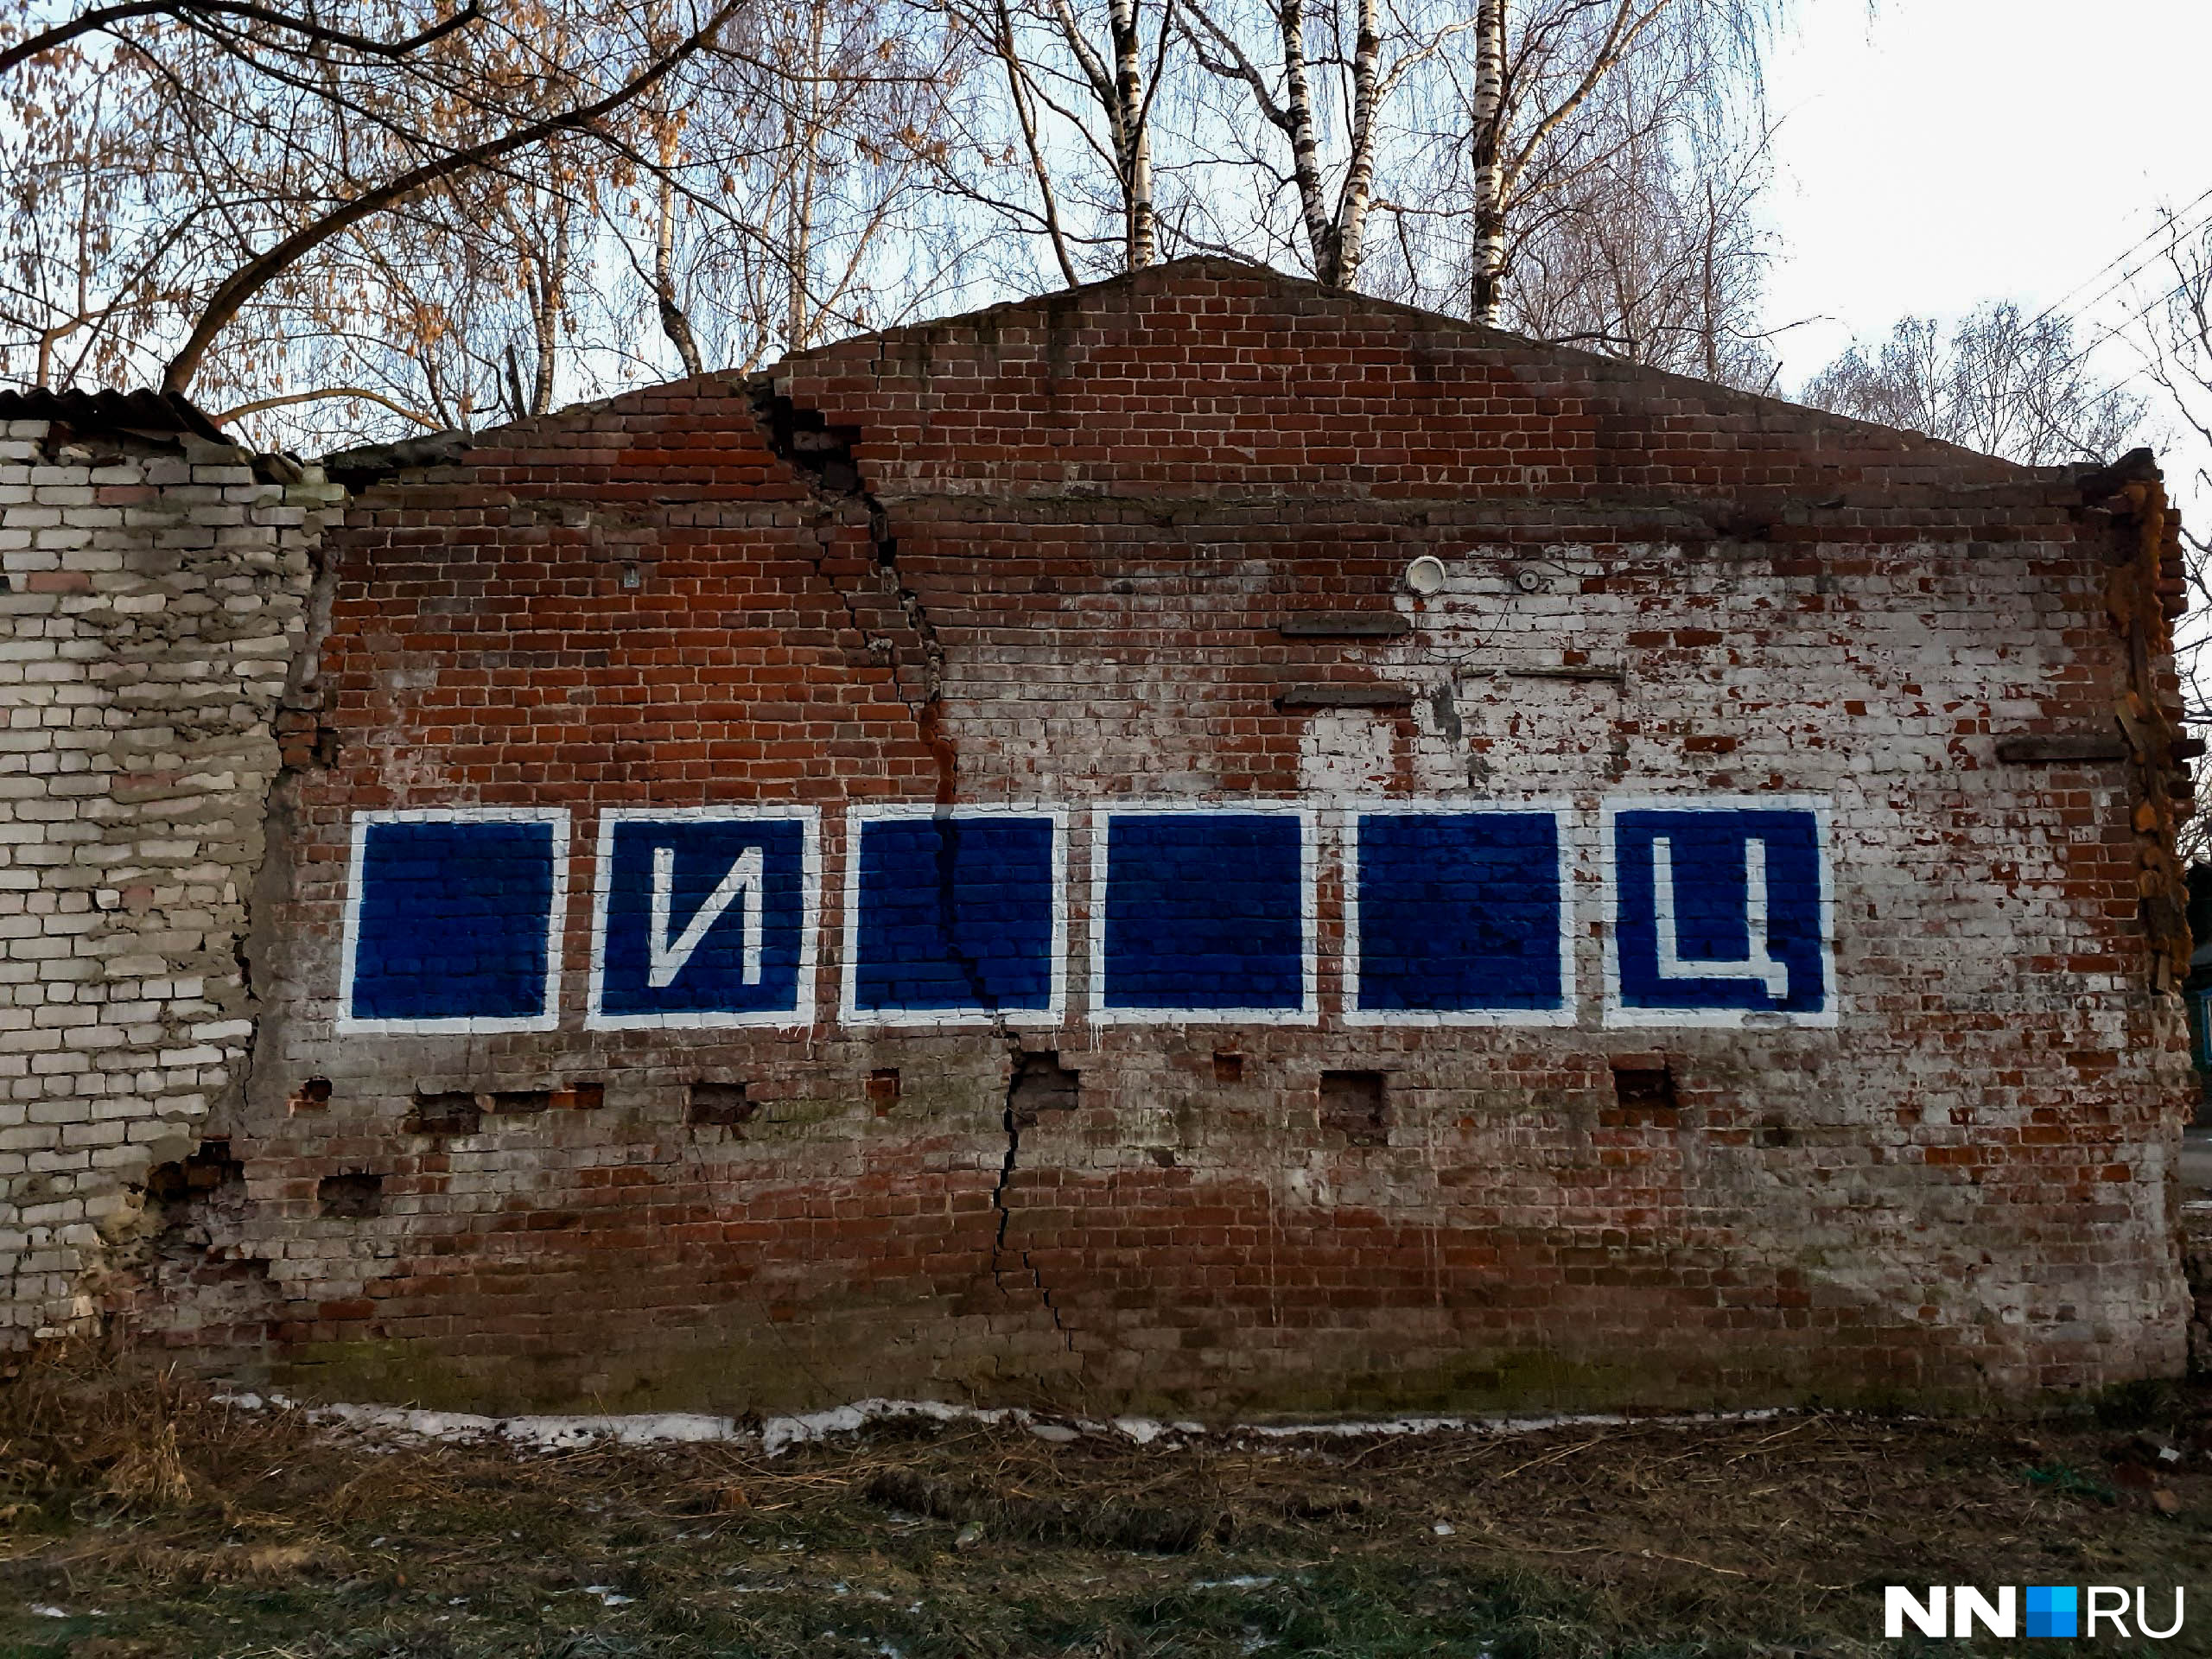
x=157, y=600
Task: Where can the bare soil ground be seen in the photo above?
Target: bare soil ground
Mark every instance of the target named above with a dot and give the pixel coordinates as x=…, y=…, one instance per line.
x=145, y=1520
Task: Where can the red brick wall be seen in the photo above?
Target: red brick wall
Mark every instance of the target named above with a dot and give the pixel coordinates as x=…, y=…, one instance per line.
x=1084, y=521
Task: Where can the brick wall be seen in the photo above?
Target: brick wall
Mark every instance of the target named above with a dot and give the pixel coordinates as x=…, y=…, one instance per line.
x=157, y=598
x=1098, y=550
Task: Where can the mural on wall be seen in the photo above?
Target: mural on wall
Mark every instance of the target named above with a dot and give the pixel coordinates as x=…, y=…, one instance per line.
x=1718, y=911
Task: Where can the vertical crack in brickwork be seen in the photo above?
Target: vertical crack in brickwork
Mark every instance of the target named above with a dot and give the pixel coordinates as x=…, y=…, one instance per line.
x=1027, y=1068
x=823, y=455
x=948, y=911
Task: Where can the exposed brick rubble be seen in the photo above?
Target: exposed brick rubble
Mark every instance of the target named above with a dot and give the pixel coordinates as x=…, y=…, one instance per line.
x=157, y=598
x=1148, y=541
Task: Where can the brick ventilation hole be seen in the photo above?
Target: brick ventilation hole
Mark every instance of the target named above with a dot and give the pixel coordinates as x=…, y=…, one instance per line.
x=313, y=1095
x=1643, y=1082
x=719, y=1105
x=521, y=1100
x=353, y=1196
x=1643, y=1090
x=883, y=1090
x=448, y=1112
x=1356, y=1105
x=1228, y=1066
x=1041, y=1084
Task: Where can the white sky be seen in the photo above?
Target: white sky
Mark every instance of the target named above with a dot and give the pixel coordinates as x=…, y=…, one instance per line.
x=1943, y=152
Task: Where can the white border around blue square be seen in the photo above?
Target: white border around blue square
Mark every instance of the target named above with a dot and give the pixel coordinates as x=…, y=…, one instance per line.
x=1055, y=1010
x=802, y=1011
x=1309, y=863
x=1619, y=1017
x=1350, y=809
x=557, y=922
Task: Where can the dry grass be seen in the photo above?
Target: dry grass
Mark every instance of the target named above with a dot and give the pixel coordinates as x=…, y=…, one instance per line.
x=190, y=1528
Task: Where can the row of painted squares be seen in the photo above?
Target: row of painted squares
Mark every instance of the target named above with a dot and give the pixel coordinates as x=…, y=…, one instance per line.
x=1717, y=911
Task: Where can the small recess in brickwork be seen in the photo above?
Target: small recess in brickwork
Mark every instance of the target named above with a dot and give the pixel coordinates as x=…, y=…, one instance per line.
x=447, y=1112
x=196, y=1176
x=1041, y=1084
x=1774, y=1131
x=883, y=1089
x=1356, y=1105
x=521, y=1100
x=582, y=1096
x=313, y=1095
x=1643, y=1089
x=1228, y=1066
x=1346, y=625
x=720, y=1105
x=353, y=1196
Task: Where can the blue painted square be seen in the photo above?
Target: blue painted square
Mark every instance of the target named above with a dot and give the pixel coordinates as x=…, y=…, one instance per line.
x=955, y=914
x=1688, y=934
x=1204, y=912
x=453, y=920
x=704, y=916
x=2052, y=1609
x=1459, y=913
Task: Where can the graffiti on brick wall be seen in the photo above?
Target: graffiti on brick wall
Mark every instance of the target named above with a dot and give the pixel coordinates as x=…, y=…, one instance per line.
x=453, y=919
x=705, y=917
x=1717, y=911
x=955, y=919
x=1203, y=913
x=1458, y=918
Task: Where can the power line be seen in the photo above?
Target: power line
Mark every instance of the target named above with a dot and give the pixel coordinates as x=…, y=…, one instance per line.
x=2152, y=235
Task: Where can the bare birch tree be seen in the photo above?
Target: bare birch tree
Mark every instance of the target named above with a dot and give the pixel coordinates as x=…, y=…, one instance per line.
x=1081, y=79
x=1537, y=67
x=1999, y=382
x=1333, y=144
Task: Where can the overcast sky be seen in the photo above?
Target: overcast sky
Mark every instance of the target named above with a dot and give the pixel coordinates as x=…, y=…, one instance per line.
x=1944, y=152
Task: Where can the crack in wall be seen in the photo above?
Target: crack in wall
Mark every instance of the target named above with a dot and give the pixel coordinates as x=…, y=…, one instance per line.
x=823, y=455
x=1026, y=1067
x=948, y=913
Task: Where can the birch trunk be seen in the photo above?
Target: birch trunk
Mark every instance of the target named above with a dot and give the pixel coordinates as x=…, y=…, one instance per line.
x=1132, y=133
x=1305, y=148
x=1351, y=239
x=1488, y=278
x=673, y=323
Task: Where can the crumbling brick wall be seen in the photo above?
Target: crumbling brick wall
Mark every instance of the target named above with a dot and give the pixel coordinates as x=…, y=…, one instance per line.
x=1151, y=542
x=156, y=594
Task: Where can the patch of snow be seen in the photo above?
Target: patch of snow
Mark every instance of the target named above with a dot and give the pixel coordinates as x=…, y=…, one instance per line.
x=1247, y=1581
x=777, y=1435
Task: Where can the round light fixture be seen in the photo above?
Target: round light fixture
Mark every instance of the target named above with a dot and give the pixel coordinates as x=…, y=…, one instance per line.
x=1427, y=575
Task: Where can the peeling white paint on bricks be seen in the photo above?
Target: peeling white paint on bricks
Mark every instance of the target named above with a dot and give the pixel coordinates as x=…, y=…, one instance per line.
x=156, y=602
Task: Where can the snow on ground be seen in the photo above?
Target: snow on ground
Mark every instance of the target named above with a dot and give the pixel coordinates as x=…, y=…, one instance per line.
x=775, y=1435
